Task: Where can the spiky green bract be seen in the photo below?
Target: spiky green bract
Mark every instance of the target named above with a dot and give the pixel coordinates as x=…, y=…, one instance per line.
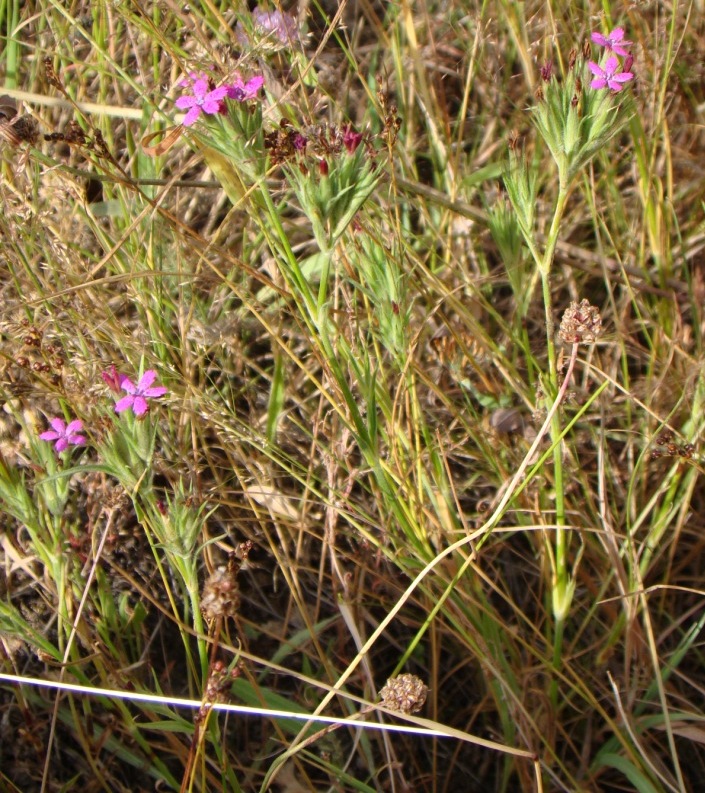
x=384, y=284
x=576, y=121
x=127, y=451
x=509, y=239
x=331, y=195
x=521, y=182
x=233, y=148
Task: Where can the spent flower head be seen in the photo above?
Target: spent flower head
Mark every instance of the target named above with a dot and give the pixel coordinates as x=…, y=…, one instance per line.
x=203, y=99
x=581, y=323
x=613, y=41
x=405, y=693
x=64, y=434
x=277, y=28
x=137, y=395
x=610, y=75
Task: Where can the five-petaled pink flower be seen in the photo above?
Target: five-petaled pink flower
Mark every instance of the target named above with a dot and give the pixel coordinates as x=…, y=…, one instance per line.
x=137, y=395
x=609, y=76
x=613, y=41
x=204, y=100
x=241, y=91
x=64, y=434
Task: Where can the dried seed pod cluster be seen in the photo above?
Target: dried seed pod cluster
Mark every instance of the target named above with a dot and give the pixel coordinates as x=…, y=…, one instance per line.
x=581, y=323
x=404, y=693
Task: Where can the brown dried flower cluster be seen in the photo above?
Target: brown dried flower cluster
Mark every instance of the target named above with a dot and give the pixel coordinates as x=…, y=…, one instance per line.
x=13, y=128
x=405, y=693
x=581, y=323
x=221, y=594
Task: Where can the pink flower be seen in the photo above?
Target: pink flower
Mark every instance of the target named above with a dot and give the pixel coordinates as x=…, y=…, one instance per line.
x=609, y=76
x=614, y=41
x=204, y=99
x=137, y=395
x=64, y=434
x=241, y=91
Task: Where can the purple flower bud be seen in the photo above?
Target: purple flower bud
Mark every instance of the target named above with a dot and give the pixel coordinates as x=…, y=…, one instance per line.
x=113, y=379
x=351, y=139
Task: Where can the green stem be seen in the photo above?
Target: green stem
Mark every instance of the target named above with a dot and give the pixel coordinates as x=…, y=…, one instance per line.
x=545, y=268
x=562, y=586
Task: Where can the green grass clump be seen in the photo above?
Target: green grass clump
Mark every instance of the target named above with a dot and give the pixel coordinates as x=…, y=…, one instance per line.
x=402, y=490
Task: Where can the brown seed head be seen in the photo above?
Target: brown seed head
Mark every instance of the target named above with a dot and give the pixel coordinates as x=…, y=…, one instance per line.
x=21, y=129
x=221, y=595
x=26, y=129
x=581, y=323
x=405, y=693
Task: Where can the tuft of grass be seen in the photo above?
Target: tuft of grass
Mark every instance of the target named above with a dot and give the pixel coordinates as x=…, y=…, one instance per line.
x=417, y=501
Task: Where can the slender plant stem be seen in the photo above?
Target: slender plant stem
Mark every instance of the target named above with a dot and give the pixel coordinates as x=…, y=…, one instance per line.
x=562, y=588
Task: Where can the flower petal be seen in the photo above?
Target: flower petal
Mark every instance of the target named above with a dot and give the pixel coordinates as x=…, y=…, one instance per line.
x=253, y=85
x=140, y=406
x=50, y=435
x=200, y=88
x=218, y=93
x=211, y=106
x=185, y=102
x=596, y=69
x=59, y=425
x=146, y=380
x=125, y=403
x=192, y=116
x=157, y=391
x=61, y=445
x=127, y=385
x=611, y=65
